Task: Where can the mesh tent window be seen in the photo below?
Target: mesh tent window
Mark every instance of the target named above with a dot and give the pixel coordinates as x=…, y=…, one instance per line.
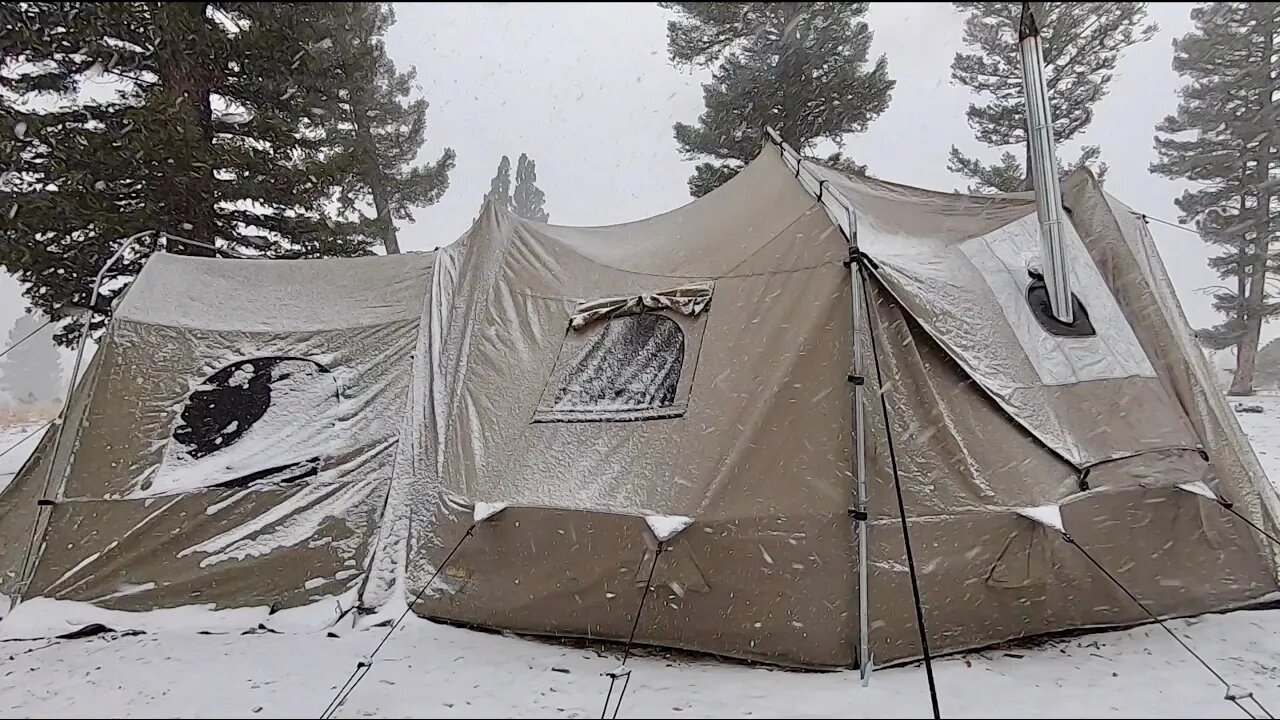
x=633, y=367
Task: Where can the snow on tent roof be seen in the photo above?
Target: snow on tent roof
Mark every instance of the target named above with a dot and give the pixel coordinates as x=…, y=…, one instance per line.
x=266, y=295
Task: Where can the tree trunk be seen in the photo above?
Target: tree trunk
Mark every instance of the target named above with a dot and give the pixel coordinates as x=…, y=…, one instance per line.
x=1247, y=350
x=1238, y=378
x=790, y=67
x=1028, y=184
x=186, y=78
x=1246, y=358
x=377, y=181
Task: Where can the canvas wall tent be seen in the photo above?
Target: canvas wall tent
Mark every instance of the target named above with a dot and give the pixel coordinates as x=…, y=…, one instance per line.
x=551, y=406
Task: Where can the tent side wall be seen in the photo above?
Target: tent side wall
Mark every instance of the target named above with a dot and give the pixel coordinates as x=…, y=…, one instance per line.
x=988, y=574
x=756, y=453
x=21, y=518
x=239, y=436
x=1122, y=247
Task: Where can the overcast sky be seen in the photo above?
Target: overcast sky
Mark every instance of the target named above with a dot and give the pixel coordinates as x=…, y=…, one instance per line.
x=586, y=90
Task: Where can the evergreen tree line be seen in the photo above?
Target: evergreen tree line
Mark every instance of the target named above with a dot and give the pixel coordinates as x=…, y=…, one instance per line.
x=285, y=130
x=280, y=130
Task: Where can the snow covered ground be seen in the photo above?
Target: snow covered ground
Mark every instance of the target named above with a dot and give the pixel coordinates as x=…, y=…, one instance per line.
x=430, y=670
x=1263, y=429
x=19, y=441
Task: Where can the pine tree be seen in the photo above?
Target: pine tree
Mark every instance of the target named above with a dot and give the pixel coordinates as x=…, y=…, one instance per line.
x=376, y=130
x=1268, y=365
x=500, y=185
x=1225, y=138
x=840, y=162
x=207, y=133
x=527, y=200
x=801, y=68
x=1082, y=42
x=31, y=370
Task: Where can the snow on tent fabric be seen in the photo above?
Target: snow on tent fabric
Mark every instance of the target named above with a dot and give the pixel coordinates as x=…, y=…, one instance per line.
x=582, y=403
x=236, y=445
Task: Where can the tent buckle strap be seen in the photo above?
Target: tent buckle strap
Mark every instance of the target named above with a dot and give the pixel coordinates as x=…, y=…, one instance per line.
x=857, y=379
x=856, y=256
x=858, y=515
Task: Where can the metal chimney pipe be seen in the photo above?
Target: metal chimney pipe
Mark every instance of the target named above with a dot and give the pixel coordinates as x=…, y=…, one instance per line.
x=1044, y=168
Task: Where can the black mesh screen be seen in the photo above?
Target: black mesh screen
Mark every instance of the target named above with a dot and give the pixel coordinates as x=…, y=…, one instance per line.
x=631, y=363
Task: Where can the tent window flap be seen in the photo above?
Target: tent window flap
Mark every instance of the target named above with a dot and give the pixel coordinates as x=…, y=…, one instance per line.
x=631, y=363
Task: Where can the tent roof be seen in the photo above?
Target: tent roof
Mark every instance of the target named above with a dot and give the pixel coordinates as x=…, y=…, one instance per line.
x=275, y=295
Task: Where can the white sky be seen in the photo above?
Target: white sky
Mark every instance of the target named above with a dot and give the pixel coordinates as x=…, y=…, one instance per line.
x=586, y=91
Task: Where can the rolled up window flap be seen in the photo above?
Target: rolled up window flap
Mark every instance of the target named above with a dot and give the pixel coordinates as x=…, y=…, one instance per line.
x=688, y=300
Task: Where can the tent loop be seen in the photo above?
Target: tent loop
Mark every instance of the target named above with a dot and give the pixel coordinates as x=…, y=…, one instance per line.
x=902, y=511
x=857, y=257
x=363, y=665
x=622, y=671
x=1233, y=695
x=1230, y=507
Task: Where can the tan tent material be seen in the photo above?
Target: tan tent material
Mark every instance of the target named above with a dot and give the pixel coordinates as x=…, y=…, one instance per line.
x=669, y=396
x=317, y=357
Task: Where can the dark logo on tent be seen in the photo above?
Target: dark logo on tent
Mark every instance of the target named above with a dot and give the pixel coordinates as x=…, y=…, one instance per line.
x=232, y=403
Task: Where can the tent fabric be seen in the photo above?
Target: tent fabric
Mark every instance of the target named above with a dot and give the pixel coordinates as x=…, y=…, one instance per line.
x=757, y=448
x=957, y=262
x=22, y=522
x=1124, y=251
x=279, y=505
x=989, y=574
x=563, y=409
x=686, y=299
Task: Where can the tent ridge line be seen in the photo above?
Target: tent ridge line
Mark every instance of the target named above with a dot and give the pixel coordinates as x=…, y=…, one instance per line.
x=795, y=161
